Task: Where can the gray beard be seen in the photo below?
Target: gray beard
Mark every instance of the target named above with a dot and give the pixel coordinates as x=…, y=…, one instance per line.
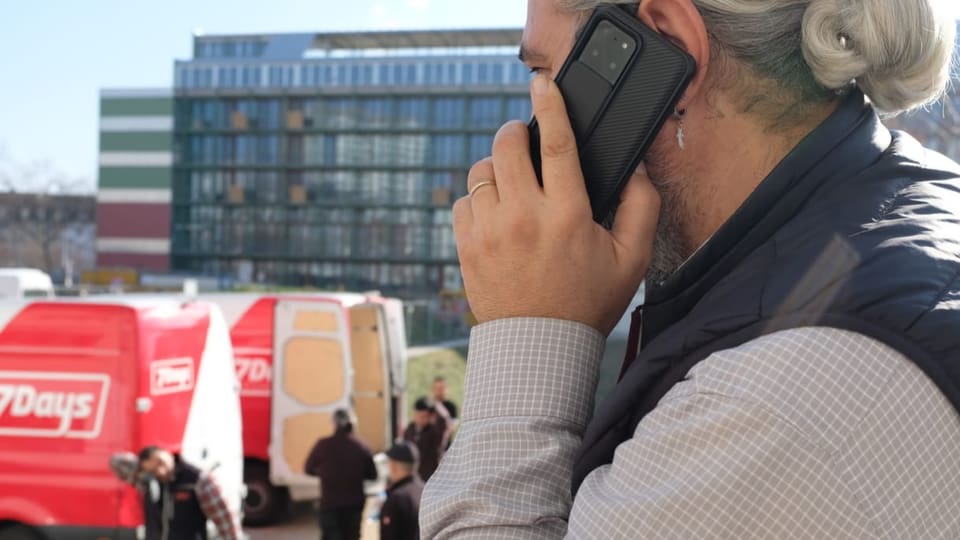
x=670, y=249
x=669, y=252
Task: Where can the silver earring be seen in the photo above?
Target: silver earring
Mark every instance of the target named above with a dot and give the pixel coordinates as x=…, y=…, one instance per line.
x=679, y=113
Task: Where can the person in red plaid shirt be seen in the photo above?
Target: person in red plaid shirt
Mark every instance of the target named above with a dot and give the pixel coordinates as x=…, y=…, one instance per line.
x=178, y=497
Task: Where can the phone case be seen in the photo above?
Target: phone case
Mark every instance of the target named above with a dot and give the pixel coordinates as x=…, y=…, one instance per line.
x=615, y=127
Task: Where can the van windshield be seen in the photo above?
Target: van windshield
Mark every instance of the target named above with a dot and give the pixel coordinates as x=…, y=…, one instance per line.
x=37, y=293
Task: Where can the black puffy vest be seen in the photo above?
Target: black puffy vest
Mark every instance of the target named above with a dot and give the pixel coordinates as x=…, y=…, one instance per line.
x=176, y=514
x=856, y=229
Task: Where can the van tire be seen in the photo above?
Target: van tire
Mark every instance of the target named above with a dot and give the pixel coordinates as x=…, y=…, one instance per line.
x=19, y=532
x=265, y=503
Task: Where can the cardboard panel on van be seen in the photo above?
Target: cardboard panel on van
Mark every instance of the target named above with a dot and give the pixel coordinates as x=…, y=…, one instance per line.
x=300, y=433
x=314, y=371
x=369, y=376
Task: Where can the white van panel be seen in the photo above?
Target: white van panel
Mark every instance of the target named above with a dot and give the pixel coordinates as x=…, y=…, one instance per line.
x=312, y=377
x=213, y=437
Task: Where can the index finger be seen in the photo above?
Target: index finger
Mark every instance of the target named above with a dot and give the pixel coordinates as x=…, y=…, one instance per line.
x=560, y=158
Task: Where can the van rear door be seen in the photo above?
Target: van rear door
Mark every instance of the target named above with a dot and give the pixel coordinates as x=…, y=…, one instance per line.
x=371, y=376
x=311, y=379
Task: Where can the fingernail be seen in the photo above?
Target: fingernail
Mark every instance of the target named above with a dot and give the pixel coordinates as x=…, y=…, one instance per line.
x=540, y=85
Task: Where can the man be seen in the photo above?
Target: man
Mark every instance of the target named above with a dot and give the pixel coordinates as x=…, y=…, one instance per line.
x=343, y=462
x=798, y=372
x=428, y=431
x=445, y=409
x=440, y=398
x=401, y=511
x=178, y=498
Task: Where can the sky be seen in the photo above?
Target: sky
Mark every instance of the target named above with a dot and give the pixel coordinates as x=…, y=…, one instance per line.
x=58, y=54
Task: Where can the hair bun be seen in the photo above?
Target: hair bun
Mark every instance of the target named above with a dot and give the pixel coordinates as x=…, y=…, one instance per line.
x=897, y=51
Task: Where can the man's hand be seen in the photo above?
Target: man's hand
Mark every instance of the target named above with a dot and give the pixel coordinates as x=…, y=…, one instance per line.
x=531, y=251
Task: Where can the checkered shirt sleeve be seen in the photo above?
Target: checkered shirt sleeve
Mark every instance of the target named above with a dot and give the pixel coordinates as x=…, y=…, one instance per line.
x=124, y=465
x=807, y=433
x=213, y=504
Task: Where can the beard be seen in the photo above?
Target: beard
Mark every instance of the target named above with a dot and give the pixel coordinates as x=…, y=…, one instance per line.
x=670, y=246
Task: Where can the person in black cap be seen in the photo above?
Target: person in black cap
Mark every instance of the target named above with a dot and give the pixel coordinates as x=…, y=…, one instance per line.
x=342, y=462
x=399, y=517
x=429, y=432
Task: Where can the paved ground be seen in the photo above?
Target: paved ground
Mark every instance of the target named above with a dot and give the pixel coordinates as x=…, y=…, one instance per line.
x=302, y=525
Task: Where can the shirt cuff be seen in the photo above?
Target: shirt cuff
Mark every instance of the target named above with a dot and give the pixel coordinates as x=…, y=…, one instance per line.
x=532, y=368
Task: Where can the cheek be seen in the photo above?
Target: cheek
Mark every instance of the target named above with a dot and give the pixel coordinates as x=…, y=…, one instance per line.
x=563, y=47
x=660, y=159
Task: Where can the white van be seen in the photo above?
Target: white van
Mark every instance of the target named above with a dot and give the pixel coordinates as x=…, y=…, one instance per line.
x=25, y=283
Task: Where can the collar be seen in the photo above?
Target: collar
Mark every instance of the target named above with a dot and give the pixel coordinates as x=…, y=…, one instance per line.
x=401, y=483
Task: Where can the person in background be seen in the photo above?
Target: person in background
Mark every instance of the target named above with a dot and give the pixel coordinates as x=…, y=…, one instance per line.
x=399, y=517
x=445, y=408
x=178, y=498
x=440, y=397
x=342, y=462
x=428, y=431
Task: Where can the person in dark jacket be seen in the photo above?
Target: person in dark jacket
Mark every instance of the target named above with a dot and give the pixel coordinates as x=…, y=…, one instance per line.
x=399, y=518
x=428, y=431
x=342, y=462
x=178, y=498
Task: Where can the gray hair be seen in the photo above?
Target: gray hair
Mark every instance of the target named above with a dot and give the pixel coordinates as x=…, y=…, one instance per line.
x=898, y=52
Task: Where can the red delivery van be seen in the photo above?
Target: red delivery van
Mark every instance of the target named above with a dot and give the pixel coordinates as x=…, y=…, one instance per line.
x=80, y=380
x=299, y=357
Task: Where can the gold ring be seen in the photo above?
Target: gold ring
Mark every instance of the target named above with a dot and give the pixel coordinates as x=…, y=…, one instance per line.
x=481, y=184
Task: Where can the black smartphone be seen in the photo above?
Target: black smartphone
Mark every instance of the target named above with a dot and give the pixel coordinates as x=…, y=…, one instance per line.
x=620, y=83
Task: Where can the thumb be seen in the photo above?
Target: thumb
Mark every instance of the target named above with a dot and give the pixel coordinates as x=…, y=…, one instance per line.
x=636, y=223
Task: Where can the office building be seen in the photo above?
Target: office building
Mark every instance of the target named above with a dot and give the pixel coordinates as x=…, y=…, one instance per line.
x=333, y=160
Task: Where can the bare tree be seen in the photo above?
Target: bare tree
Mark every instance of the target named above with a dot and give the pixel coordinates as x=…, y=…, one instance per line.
x=37, y=208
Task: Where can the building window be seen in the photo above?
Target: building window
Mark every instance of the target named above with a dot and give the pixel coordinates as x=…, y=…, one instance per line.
x=448, y=113
x=518, y=109
x=447, y=151
x=376, y=113
x=519, y=73
x=384, y=75
x=451, y=77
x=411, y=113
x=268, y=149
x=340, y=113
x=483, y=73
x=481, y=146
x=485, y=113
x=409, y=188
x=353, y=150
x=269, y=114
x=498, y=77
x=366, y=76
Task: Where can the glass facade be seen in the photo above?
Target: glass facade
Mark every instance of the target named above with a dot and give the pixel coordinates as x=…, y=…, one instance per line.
x=332, y=188
x=241, y=73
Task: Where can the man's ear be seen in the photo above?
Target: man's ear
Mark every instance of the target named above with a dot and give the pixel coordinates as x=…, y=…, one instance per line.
x=681, y=22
